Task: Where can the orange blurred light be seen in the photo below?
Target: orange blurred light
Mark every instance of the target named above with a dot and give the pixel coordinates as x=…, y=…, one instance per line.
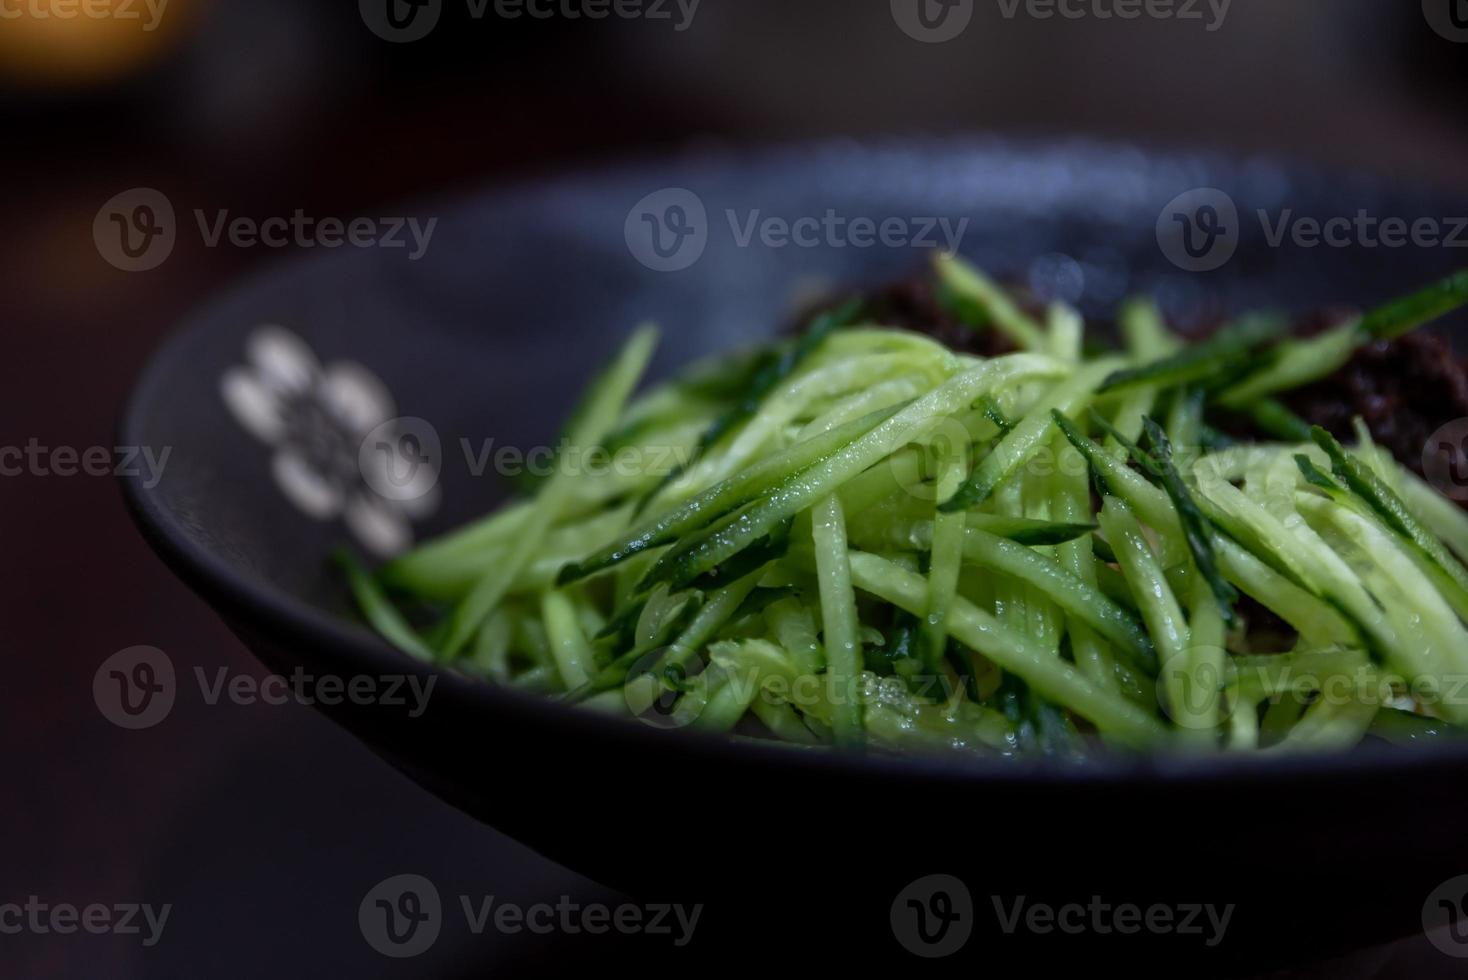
x=80, y=42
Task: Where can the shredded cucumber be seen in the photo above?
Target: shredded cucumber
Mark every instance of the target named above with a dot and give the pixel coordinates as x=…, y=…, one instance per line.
x=880, y=544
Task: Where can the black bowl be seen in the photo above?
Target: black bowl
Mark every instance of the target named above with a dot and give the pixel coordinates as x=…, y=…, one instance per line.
x=520, y=296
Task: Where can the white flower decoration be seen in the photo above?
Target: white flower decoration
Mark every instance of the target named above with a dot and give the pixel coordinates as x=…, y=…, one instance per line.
x=340, y=451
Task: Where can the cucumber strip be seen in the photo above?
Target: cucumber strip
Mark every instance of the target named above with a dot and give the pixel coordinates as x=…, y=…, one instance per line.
x=1068, y=591
x=1274, y=419
x=1295, y=364
x=1185, y=421
x=465, y=545
x=1071, y=501
x=379, y=610
x=1394, y=512
x=603, y=407
x=1391, y=320
x=1297, y=606
x=839, y=622
x=994, y=412
x=569, y=647
x=1442, y=516
x=1300, y=672
x=1196, y=528
x=1451, y=589
x=1026, y=439
x=1300, y=362
x=1327, y=726
x=724, y=498
x=978, y=300
x=1299, y=549
x=1313, y=619
x=1136, y=405
x=1065, y=328
x=946, y=557
x=1405, y=728
x=784, y=407
x=903, y=506
x=884, y=396
x=491, y=657
x=450, y=579
x=1201, y=706
x=1433, y=641
x=1146, y=334
x=772, y=369
x=1160, y=610
x=1202, y=361
x=981, y=632
x=783, y=722
x=729, y=702
x=795, y=629
x=690, y=559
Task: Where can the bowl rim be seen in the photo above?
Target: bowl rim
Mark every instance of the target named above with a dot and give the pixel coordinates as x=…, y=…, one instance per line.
x=277, y=613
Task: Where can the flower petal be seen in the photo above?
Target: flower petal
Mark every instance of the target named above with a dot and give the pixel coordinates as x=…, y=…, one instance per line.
x=255, y=406
x=306, y=486
x=382, y=530
x=424, y=503
x=356, y=396
x=284, y=361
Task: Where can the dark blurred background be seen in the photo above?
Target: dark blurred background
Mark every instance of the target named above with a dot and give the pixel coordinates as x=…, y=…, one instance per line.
x=263, y=826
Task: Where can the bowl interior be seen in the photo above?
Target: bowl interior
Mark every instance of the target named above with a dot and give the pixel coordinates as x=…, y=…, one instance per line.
x=520, y=296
